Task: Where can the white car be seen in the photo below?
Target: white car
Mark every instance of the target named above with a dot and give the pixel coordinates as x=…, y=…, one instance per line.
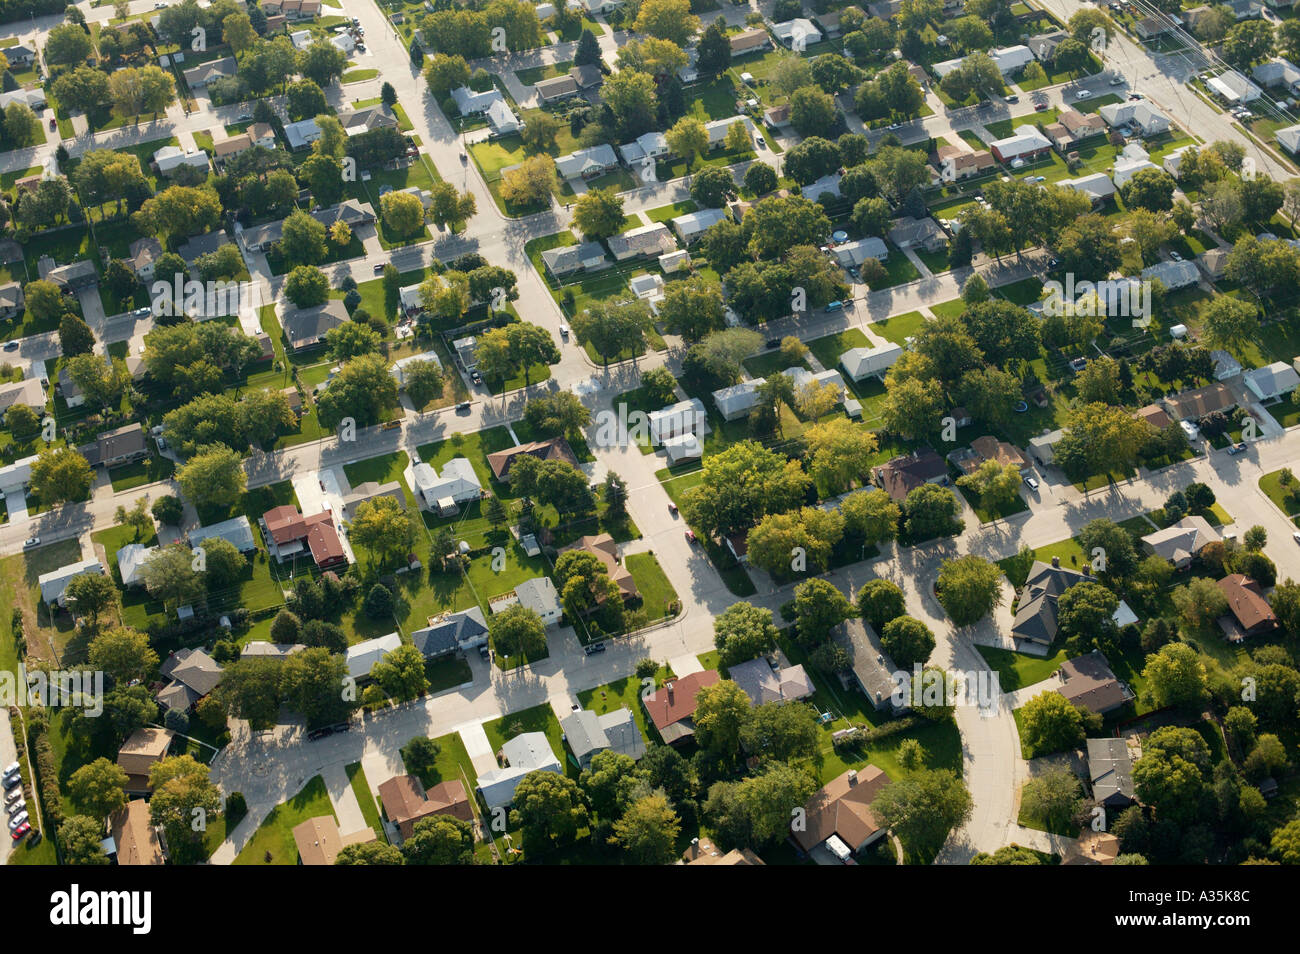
x=17, y=820
x=1031, y=483
x=1083, y=94
x=1296, y=536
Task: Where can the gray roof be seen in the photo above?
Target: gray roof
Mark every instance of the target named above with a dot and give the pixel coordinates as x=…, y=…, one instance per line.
x=867, y=659
x=236, y=531
x=192, y=674
x=111, y=445
x=583, y=732
x=1110, y=769
x=304, y=327
x=1036, y=615
x=456, y=631
x=197, y=245
x=764, y=684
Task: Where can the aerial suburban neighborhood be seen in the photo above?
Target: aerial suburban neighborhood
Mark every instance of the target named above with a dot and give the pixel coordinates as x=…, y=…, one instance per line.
x=650, y=432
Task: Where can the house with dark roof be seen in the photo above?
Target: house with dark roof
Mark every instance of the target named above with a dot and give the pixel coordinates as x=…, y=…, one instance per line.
x=1198, y=402
x=11, y=300
x=191, y=674
x=451, y=633
x=870, y=667
x=1035, y=623
x=1110, y=769
x=291, y=533
x=125, y=445
x=200, y=76
x=1248, y=611
x=1089, y=682
x=1181, y=542
x=839, y=817
x=671, y=707
x=306, y=327
x=902, y=475
x=368, y=119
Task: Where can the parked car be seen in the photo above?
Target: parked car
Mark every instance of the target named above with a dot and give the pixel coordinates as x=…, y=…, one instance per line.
x=1083, y=94
x=54, y=124
x=1175, y=256
x=12, y=781
x=1031, y=483
x=476, y=377
x=13, y=768
x=1238, y=448
x=773, y=342
x=672, y=508
x=17, y=820
x=16, y=807
x=31, y=542
x=1013, y=98
x=1040, y=107
x=1134, y=95
x=1117, y=80
x=462, y=407
x=1296, y=536
x=379, y=268
x=13, y=797
x=18, y=833
x=11, y=345
x=594, y=648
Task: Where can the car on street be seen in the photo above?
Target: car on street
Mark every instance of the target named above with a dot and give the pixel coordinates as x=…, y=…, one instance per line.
x=1117, y=80
x=1053, y=262
x=594, y=648
x=12, y=780
x=1135, y=96
x=462, y=407
x=18, y=833
x=672, y=508
x=1296, y=536
x=31, y=542
x=690, y=536
x=1040, y=107
x=1013, y=98
x=379, y=268
x=1031, y=483
x=1237, y=448
x=11, y=345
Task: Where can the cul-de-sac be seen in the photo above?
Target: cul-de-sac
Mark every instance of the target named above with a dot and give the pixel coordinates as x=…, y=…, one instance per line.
x=650, y=432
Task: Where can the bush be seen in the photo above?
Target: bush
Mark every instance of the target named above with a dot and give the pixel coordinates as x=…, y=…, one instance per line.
x=236, y=809
x=646, y=668
x=177, y=720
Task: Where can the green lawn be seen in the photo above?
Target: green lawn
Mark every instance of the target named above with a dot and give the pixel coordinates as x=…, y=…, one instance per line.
x=537, y=719
x=1285, y=498
x=452, y=762
x=272, y=843
x=827, y=350
x=899, y=327
x=365, y=798
x=624, y=694
x=1017, y=670
x=657, y=594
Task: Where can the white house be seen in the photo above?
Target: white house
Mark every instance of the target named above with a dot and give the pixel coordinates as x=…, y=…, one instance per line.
x=684, y=417
x=798, y=33
x=1132, y=160
x=54, y=583
x=853, y=254
x=737, y=401
x=1232, y=87
x=301, y=134
x=361, y=657
x=1010, y=59
x=651, y=145
x=131, y=560
x=682, y=447
x=1271, y=381
x=1173, y=161
x=1140, y=114
x=457, y=485
x=860, y=363
x=344, y=42
x=1278, y=72
x=398, y=370
x=16, y=475
x=538, y=594
x=647, y=286
x=1173, y=275
x=1289, y=138
x=169, y=157
x=691, y=226
x=717, y=129
x=587, y=163
x=1025, y=142
x=1098, y=187
x=826, y=184
x=526, y=753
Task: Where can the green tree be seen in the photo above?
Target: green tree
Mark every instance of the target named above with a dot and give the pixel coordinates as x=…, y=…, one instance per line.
x=648, y=831
x=923, y=807
x=1175, y=676
x=81, y=839
x=1049, y=723
x=819, y=606
x=742, y=632
x=907, y=641
x=59, y=475
x=99, y=787
x=183, y=799
x=213, y=476
x=550, y=808
x=440, y=840
x=880, y=601
x=518, y=631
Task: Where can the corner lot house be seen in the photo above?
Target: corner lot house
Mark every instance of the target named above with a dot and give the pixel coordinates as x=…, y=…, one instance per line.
x=406, y=801
x=1139, y=114
x=1271, y=381
x=587, y=256
x=588, y=733
x=672, y=705
x=526, y=753
x=838, y=817
x=684, y=417
x=131, y=560
x=1035, y=623
x=555, y=448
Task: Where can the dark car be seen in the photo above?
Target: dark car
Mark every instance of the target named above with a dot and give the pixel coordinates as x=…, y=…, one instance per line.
x=476, y=377
x=11, y=345
x=316, y=734
x=1238, y=448
x=463, y=407
x=12, y=781
x=594, y=648
x=379, y=268
x=774, y=342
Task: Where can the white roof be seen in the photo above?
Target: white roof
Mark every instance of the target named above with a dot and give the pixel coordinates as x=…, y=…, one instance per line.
x=131, y=560
x=693, y=223
x=643, y=286
x=236, y=531
x=53, y=584
x=584, y=160
x=738, y=397
x=859, y=362
x=1289, y=137
x=855, y=253
x=527, y=752
x=399, y=366
x=361, y=657
x=539, y=595
x=1026, y=138
x=1277, y=72
x=458, y=481
x=1097, y=185
x=1272, y=379
x=301, y=133
x=1173, y=275
x=945, y=67
x=1011, y=58
x=470, y=102
x=1234, y=87
x=689, y=413
x=828, y=183
x=682, y=447
x=1140, y=112
x=788, y=31
x=718, y=128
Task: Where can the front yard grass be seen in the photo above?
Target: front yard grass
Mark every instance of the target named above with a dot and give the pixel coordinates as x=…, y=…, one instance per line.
x=1018, y=670
x=659, y=599
x=365, y=798
x=272, y=843
x=537, y=719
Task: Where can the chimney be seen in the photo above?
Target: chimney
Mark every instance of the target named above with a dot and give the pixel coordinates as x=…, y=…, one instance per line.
x=669, y=686
x=1056, y=562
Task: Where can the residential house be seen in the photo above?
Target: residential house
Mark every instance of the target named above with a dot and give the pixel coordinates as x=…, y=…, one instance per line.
x=682, y=448
x=200, y=76
x=1225, y=365
x=678, y=260
x=1288, y=138
x=125, y=445
x=457, y=486
x=1181, y=542
x=1173, y=275
x=684, y=417
x=1139, y=114
x=132, y=837
x=1248, y=611
x=736, y=401
x=368, y=119
x=262, y=134
x=717, y=130
x=1148, y=28
x=588, y=733
x=1012, y=59
x=648, y=287
x=953, y=163
x=398, y=370
x=587, y=256
x=1035, y=623
x=587, y=163
x=671, y=707
x=262, y=649
x=604, y=549
x=1080, y=126
x=750, y=41
x=557, y=88
x=853, y=254
x=225, y=147
x=902, y=475
x=54, y=583
x=406, y=801
x=1278, y=72
x=828, y=186
x=797, y=34
x=369, y=490
x=651, y=145
x=1026, y=144
x=870, y=667
x=1214, y=262
x=1234, y=88
x=777, y=117
x=197, y=245
x=1131, y=160
x=765, y=682
x=925, y=233
x=1087, y=681
x=537, y=594
x=306, y=327
x=27, y=392
x=704, y=852
x=319, y=842
x=12, y=301
x=691, y=226
x=588, y=75
x=1098, y=187
x=292, y=534
x=70, y=278
x=361, y=657
x=1044, y=45
x=143, y=749
x=1110, y=770
x=647, y=240
x=191, y=674
x=1271, y=381
x=861, y=363
x=302, y=134
x=20, y=55
x=554, y=448
x=236, y=531
x=452, y=633
x=142, y=254
x=838, y=818
x=1199, y=402
x=526, y=753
